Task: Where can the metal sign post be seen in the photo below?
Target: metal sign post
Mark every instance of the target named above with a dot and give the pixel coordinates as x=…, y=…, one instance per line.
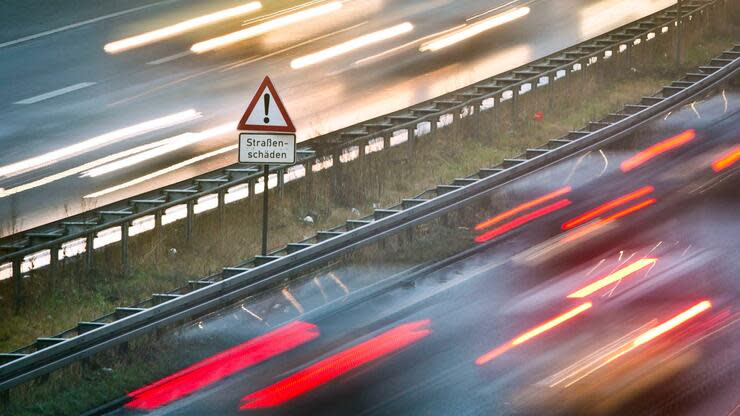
x=268, y=139
x=264, y=209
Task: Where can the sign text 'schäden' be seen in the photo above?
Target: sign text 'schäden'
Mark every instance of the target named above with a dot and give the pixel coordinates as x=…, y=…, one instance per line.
x=264, y=148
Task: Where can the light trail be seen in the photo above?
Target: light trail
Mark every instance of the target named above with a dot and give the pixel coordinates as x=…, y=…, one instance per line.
x=672, y=323
x=483, y=359
x=523, y=207
x=87, y=166
x=578, y=233
x=663, y=328
x=405, y=45
x=612, y=278
x=474, y=29
x=265, y=27
x=161, y=172
x=607, y=207
x=85, y=146
x=252, y=60
x=180, y=28
x=351, y=45
x=222, y=365
x=552, y=323
x=657, y=149
x=521, y=221
x=726, y=160
x=337, y=365
x=173, y=144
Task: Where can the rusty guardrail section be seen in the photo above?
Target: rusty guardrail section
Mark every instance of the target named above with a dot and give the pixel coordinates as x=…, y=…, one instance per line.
x=49, y=354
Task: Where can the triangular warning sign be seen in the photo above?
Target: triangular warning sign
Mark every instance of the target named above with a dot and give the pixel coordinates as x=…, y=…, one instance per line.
x=266, y=112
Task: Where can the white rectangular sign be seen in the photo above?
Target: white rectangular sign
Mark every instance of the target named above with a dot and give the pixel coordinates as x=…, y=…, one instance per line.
x=267, y=148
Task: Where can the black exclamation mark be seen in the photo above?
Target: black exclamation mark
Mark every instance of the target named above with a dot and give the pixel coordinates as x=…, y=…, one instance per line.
x=267, y=108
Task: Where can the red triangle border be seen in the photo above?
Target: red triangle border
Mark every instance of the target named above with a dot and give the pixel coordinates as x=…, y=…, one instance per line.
x=266, y=84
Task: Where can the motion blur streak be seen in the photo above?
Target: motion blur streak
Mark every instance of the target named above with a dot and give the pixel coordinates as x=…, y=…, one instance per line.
x=593, y=227
x=85, y=167
x=164, y=171
x=672, y=323
x=179, y=28
x=222, y=365
x=533, y=333
x=552, y=323
x=612, y=278
x=265, y=27
x=523, y=207
x=351, y=45
x=661, y=329
x=474, y=29
x=727, y=160
x=522, y=220
x=658, y=149
x=606, y=207
x=181, y=141
x=90, y=144
x=173, y=143
x=336, y=365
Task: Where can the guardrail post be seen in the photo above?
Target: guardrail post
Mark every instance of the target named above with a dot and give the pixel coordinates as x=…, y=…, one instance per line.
x=221, y=210
x=281, y=180
x=158, y=233
x=251, y=185
x=158, y=219
x=90, y=253
x=433, y=124
x=17, y=284
x=53, y=264
x=678, y=31
x=361, y=149
x=308, y=179
x=190, y=220
x=124, y=248
x=514, y=100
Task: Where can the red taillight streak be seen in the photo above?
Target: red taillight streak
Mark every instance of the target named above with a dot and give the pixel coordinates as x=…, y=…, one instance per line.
x=726, y=160
x=538, y=330
x=338, y=364
x=522, y=220
x=523, y=207
x=658, y=149
x=593, y=227
x=222, y=365
x=612, y=278
x=607, y=207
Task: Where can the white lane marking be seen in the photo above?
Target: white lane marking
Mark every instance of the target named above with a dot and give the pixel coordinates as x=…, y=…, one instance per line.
x=83, y=23
x=54, y=93
x=170, y=58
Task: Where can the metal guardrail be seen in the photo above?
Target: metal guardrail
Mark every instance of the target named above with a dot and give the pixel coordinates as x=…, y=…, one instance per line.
x=127, y=323
x=18, y=252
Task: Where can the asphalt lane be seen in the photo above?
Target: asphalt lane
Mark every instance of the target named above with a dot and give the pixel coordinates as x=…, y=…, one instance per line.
x=398, y=347
x=110, y=92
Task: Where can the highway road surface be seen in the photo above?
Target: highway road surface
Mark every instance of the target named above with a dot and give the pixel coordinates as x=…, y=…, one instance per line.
x=605, y=283
x=105, y=100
